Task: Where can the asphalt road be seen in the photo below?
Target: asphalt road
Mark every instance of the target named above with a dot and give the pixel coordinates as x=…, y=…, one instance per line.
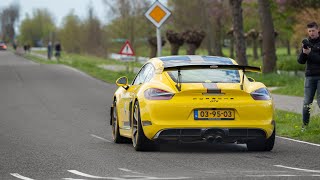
x=53, y=126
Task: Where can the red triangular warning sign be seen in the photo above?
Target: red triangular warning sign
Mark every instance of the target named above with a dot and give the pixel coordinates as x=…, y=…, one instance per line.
x=127, y=49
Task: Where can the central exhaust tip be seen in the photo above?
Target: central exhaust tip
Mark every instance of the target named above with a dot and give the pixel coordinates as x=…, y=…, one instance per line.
x=214, y=139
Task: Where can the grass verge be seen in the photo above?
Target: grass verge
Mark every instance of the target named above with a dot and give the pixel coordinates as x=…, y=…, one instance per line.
x=288, y=85
x=289, y=125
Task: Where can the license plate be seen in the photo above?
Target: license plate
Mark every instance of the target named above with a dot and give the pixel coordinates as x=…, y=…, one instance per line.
x=214, y=114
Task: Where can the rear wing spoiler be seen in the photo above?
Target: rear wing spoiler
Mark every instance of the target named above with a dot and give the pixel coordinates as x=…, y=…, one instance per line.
x=231, y=67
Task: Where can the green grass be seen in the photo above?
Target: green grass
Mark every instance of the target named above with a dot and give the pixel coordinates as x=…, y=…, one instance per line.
x=293, y=88
x=289, y=125
x=288, y=85
x=38, y=59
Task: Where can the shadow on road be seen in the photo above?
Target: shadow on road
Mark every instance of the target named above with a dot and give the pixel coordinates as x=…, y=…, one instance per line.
x=203, y=147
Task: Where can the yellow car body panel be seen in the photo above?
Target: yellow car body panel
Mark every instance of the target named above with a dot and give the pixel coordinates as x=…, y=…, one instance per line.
x=178, y=112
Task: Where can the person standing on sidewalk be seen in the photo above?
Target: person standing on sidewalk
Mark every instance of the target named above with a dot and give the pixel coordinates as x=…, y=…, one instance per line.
x=49, y=49
x=58, y=50
x=310, y=55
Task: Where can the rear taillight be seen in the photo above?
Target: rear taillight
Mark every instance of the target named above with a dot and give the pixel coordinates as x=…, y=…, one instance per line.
x=261, y=94
x=157, y=94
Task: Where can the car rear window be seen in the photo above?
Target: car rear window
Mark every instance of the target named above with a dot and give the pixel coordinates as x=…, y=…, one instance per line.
x=206, y=76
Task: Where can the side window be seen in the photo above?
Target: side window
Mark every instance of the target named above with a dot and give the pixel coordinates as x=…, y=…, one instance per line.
x=150, y=74
x=140, y=78
x=146, y=72
x=137, y=80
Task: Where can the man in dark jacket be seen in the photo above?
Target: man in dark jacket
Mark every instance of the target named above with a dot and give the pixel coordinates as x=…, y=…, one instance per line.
x=58, y=50
x=49, y=49
x=310, y=54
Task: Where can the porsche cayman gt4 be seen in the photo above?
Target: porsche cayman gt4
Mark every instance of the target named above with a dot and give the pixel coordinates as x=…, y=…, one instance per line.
x=193, y=99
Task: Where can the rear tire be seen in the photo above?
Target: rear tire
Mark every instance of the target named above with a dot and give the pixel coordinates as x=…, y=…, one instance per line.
x=262, y=145
x=116, y=137
x=139, y=141
x=270, y=141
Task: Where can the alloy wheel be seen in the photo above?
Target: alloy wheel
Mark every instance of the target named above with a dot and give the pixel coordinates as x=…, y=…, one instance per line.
x=135, y=125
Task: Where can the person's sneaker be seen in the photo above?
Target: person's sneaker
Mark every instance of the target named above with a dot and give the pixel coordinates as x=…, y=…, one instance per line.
x=304, y=128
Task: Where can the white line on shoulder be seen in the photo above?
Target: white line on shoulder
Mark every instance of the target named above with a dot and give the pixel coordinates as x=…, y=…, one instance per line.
x=277, y=175
x=128, y=170
x=298, y=169
x=98, y=137
x=89, y=176
x=299, y=141
x=20, y=176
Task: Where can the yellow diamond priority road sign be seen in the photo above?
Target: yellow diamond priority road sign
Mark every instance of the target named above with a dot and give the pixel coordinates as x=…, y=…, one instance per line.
x=157, y=14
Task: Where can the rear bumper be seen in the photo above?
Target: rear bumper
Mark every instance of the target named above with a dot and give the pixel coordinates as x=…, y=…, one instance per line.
x=226, y=135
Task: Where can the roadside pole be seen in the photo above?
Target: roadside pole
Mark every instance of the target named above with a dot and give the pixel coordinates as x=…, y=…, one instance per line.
x=159, y=44
x=158, y=14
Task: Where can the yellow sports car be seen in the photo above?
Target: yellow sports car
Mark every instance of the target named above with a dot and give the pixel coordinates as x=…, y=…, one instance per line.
x=192, y=99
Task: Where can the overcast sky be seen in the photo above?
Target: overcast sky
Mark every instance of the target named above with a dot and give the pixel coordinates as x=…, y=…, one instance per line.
x=60, y=8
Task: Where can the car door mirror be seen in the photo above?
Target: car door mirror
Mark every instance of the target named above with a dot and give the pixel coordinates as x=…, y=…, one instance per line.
x=251, y=79
x=122, y=81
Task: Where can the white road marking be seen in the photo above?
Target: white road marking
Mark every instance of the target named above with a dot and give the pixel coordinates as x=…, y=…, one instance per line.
x=298, y=169
x=20, y=176
x=128, y=170
x=152, y=178
x=72, y=179
x=216, y=172
x=280, y=175
x=103, y=139
x=299, y=141
x=86, y=175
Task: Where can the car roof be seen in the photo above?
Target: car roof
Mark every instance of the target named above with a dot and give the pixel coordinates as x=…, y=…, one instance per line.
x=172, y=61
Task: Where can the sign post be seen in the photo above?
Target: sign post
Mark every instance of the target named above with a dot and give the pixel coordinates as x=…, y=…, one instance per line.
x=158, y=14
x=127, y=50
x=159, y=43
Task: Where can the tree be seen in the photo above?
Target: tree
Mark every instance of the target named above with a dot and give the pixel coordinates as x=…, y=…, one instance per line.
x=70, y=33
x=253, y=35
x=153, y=45
x=128, y=22
x=283, y=20
x=38, y=29
x=8, y=19
x=193, y=39
x=176, y=41
x=92, y=34
x=238, y=31
x=301, y=4
x=268, y=37
x=215, y=22
x=231, y=38
x=212, y=14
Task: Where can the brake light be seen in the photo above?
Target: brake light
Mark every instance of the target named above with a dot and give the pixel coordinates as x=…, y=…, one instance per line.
x=157, y=94
x=261, y=94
